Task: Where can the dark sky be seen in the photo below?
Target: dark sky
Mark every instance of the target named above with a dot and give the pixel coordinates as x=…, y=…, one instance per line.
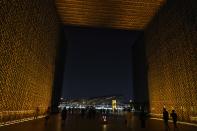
x=98, y=62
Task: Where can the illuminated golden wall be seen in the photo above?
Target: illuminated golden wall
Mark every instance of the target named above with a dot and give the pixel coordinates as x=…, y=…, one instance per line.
x=121, y=14
x=28, y=39
x=171, y=52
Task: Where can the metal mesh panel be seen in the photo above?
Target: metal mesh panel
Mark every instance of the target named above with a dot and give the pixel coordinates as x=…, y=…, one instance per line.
x=171, y=53
x=28, y=38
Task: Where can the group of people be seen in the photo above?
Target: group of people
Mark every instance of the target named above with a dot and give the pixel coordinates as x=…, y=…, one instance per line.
x=143, y=116
x=166, y=118
x=90, y=112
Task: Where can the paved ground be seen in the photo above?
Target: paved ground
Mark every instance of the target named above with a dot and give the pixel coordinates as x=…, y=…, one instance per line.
x=75, y=123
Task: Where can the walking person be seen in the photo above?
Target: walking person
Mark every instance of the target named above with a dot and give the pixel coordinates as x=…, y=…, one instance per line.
x=174, y=119
x=165, y=119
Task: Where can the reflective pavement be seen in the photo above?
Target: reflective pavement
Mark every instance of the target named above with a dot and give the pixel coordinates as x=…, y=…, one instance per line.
x=76, y=123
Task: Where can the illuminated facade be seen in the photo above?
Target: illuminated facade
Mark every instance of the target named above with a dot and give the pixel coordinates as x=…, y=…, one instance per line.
x=171, y=51
x=114, y=105
x=121, y=14
x=28, y=40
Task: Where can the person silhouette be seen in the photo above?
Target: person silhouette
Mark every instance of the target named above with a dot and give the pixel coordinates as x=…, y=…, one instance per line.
x=166, y=118
x=129, y=118
x=36, y=113
x=143, y=118
x=174, y=118
x=64, y=114
x=48, y=112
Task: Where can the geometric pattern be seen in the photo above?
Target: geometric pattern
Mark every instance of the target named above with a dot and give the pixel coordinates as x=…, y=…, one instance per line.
x=29, y=37
x=28, y=40
x=120, y=14
x=171, y=52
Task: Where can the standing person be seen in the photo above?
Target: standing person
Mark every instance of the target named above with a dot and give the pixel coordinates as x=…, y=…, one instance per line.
x=69, y=110
x=72, y=110
x=108, y=113
x=82, y=113
x=129, y=118
x=64, y=114
x=89, y=113
x=93, y=112
x=143, y=118
x=36, y=113
x=48, y=111
x=166, y=118
x=174, y=118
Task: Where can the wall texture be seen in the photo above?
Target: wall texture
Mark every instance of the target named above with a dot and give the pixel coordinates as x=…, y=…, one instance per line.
x=171, y=52
x=28, y=40
x=120, y=14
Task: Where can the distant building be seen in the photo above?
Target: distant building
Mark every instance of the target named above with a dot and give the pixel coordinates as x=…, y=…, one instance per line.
x=99, y=102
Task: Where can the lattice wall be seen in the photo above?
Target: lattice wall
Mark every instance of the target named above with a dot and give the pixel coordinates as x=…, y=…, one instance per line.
x=171, y=52
x=28, y=39
x=121, y=14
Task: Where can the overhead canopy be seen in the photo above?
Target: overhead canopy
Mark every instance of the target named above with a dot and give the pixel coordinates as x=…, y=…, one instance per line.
x=121, y=14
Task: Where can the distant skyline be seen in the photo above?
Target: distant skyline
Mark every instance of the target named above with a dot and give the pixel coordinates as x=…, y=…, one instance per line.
x=98, y=62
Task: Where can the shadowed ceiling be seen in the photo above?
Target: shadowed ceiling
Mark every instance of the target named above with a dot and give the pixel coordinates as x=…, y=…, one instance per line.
x=120, y=14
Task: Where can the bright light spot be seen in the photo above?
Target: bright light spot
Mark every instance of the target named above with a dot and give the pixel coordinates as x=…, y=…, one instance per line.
x=104, y=127
x=104, y=118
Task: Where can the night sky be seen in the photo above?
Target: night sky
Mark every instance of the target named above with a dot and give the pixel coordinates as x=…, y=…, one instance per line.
x=98, y=62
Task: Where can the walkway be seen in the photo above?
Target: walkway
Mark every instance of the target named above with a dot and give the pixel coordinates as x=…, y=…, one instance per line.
x=78, y=124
